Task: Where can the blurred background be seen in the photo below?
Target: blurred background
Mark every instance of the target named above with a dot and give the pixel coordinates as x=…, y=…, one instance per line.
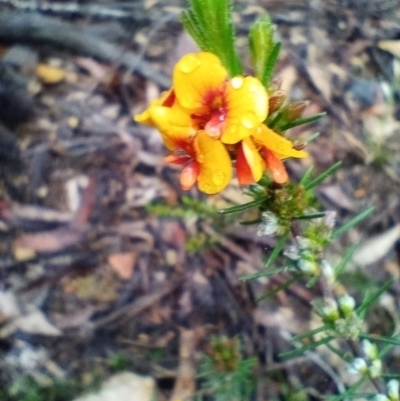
x=113, y=278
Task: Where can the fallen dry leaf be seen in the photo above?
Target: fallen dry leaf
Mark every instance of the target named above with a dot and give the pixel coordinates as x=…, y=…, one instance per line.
x=35, y=322
x=49, y=241
x=288, y=76
x=380, y=128
x=123, y=264
x=23, y=254
x=95, y=69
x=93, y=287
x=377, y=247
x=337, y=196
x=124, y=386
x=321, y=80
x=8, y=304
x=36, y=213
x=390, y=46
x=74, y=319
x=50, y=75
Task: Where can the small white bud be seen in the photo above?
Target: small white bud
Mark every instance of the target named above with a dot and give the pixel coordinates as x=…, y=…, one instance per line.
x=381, y=397
x=292, y=252
x=375, y=369
x=370, y=350
x=330, y=310
x=308, y=266
x=393, y=387
x=304, y=243
x=269, y=224
x=357, y=366
x=347, y=304
x=330, y=218
x=327, y=271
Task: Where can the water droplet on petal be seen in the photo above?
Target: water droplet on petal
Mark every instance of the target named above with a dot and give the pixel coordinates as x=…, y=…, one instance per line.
x=249, y=120
x=218, y=177
x=237, y=82
x=189, y=64
x=200, y=158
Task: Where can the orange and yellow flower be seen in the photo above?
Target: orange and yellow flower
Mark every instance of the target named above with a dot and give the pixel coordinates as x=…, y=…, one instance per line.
x=207, y=118
x=264, y=150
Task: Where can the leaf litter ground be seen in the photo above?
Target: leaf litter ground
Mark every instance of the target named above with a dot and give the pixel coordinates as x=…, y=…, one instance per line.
x=92, y=281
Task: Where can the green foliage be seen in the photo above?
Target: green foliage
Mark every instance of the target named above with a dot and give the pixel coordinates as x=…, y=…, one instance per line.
x=264, y=51
x=288, y=202
x=339, y=269
x=309, y=183
x=118, y=362
x=290, y=117
x=286, y=284
x=156, y=354
x=188, y=209
x=370, y=299
x=27, y=389
x=292, y=394
x=199, y=242
x=341, y=324
x=300, y=121
x=354, y=221
x=244, y=206
x=209, y=22
x=225, y=374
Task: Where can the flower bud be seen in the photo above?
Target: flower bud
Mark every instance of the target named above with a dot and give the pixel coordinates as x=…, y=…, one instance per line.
x=330, y=310
x=375, y=369
x=393, y=390
x=327, y=271
x=275, y=101
x=347, y=304
x=308, y=266
x=381, y=397
x=269, y=224
x=225, y=353
x=294, y=111
x=358, y=366
x=292, y=252
x=304, y=243
x=330, y=218
x=370, y=350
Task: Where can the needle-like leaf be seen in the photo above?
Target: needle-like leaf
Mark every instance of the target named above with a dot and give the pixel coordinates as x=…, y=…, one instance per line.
x=209, y=22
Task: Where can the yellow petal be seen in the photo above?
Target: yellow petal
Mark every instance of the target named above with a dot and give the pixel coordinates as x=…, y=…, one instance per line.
x=281, y=146
x=195, y=77
x=215, y=163
x=145, y=118
x=247, y=107
x=173, y=124
x=253, y=159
